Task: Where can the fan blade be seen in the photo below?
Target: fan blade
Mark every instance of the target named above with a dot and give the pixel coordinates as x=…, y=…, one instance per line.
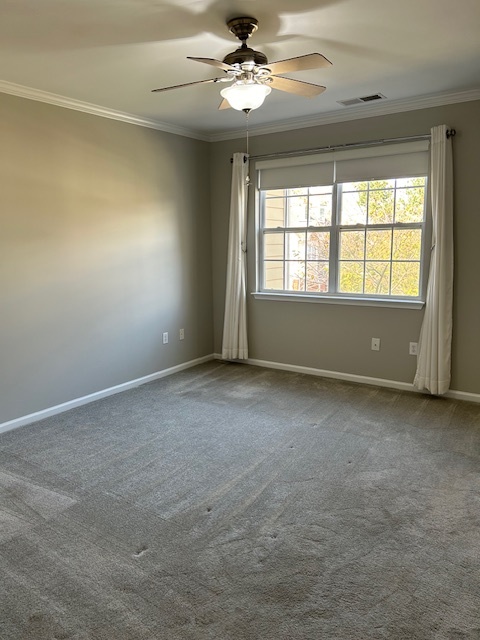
x=299, y=87
x=212, y=62
x=224, y=104
x=301, y=63
x=188, y=84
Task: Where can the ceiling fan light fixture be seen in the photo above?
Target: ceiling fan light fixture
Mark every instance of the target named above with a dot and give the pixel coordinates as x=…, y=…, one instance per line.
x=246, y=96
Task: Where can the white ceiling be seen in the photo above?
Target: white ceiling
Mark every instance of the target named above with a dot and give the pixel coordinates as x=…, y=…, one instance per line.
x=111, y=53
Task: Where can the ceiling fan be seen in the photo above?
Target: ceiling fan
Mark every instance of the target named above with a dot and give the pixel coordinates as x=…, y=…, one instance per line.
x=251, y=76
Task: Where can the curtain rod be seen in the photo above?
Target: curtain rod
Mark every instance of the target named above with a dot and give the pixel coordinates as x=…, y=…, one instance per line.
x=351, y=145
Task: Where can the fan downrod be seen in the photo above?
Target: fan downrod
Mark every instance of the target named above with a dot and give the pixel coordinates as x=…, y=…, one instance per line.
x=242, y=28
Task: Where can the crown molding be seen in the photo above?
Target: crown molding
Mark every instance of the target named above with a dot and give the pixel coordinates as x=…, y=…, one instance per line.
x=330, y=117
x=96, y=110
x=354, y=113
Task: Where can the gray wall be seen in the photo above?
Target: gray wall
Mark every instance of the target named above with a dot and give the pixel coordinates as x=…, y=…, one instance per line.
x=105, y=242
x=337, y=337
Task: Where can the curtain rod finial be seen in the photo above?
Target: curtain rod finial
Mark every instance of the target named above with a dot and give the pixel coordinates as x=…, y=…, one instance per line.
x=450, y=133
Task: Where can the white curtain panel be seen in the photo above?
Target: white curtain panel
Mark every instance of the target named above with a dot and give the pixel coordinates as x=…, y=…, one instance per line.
x=434, y=347
x=235, y=345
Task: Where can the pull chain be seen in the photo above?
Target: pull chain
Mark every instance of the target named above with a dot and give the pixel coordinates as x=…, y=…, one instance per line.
x=247, y=113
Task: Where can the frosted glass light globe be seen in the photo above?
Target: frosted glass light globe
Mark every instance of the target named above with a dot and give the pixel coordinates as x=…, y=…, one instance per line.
x=246, y=96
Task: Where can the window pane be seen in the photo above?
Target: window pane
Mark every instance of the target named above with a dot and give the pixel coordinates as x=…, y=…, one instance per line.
x=320, y=211
x=407, y=244
x=275, y=193
x=321, y=190
x=298, y=191
x=405, y=278
x=317, y=276
x=351, y=277
x=352, y=245
x=273, y=275
x=297, y=211
x=354, y=186
x=274, y=212
x=381, y=184
x=409, y=207
x=379, y=244
x=295, y=246
x=318, y=246
x=354, y=208
x=273, y=246
x=410, y=182
x=380, y=206
x=295, y=276
x=377, y=277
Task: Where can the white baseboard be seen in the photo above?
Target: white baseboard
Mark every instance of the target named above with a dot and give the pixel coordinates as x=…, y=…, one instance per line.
x=351, y=377
x=77, y=402
x=463, y=395
x=338, y=375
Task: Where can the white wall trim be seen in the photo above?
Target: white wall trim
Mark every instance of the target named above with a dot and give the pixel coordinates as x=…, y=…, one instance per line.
x=463, y=395
x=370, y=110
x=348, y=113
x=338, y=375
x=98, y=395
x=394, y=303
x=351, y=377
x=94, y=109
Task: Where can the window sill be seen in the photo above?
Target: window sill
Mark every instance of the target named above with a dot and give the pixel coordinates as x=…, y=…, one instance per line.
x=396, y=303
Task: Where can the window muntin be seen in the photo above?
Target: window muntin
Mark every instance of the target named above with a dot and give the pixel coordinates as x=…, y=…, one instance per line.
x=361, y=239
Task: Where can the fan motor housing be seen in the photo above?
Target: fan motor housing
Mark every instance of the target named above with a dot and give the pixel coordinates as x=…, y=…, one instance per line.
x=245, y=54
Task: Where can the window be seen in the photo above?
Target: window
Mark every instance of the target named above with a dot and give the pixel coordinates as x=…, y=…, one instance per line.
x=296, y=239
x=359, y=238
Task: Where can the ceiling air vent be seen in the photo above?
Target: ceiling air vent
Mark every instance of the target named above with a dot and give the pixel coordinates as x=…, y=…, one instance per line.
x=352, y=101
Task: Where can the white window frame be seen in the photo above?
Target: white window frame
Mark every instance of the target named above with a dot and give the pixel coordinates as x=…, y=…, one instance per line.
x=333, y=296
